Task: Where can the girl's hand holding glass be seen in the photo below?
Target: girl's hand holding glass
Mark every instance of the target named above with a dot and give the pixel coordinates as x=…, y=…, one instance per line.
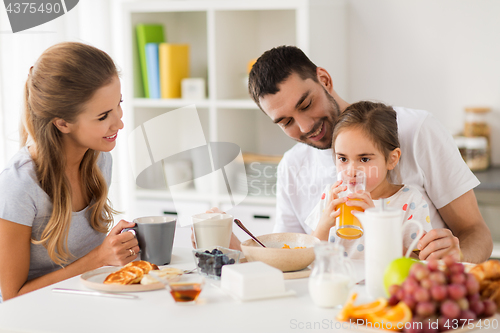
x=331, y=212
x=361, y=199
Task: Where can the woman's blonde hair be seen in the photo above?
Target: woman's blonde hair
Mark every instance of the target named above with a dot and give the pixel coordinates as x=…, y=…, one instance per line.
x=63, y=79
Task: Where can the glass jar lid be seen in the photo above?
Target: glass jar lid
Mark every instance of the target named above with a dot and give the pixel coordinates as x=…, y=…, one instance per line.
x=479, y=142
x=460, y=141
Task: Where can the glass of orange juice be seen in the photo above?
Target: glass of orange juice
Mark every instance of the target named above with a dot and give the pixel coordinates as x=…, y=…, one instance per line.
x=348, y=226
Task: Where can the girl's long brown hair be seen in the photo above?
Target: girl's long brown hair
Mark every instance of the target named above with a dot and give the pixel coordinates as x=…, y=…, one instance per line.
x=378, y=121
x=63, y=79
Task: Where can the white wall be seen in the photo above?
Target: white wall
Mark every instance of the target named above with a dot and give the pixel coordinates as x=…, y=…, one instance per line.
x=436, y=55
x=89, y=22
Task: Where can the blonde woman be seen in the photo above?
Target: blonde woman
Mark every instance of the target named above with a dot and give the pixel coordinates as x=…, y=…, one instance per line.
x=54, y=211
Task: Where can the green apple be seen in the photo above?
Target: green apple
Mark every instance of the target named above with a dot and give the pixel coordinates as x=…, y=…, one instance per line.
x=397, y=271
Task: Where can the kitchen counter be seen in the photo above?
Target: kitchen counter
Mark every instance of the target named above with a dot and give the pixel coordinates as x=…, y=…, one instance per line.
x=488, y=199
x=496, y=251
x=490, y=179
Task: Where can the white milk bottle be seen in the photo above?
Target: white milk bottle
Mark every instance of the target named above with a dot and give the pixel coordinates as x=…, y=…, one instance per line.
x=332, y=277
x=383, y=243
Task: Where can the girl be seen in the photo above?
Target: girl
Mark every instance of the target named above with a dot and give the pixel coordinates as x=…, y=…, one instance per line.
x=366, y=138
x=54, y=211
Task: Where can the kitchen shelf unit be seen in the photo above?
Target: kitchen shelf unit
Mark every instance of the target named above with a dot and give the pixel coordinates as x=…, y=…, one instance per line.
x=224, y=36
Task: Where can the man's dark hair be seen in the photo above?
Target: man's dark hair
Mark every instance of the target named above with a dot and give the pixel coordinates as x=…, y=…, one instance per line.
x=275, y=66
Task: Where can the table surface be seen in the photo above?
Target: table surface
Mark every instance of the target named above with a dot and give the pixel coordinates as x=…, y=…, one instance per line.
x=46, y=311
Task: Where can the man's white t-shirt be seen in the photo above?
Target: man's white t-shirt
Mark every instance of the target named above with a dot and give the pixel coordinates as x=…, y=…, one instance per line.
x=430, y=162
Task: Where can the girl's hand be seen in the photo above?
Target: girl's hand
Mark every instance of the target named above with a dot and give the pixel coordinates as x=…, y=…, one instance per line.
x=361, y=199
x=119, y=248
x=330, y=213
x=215, y=210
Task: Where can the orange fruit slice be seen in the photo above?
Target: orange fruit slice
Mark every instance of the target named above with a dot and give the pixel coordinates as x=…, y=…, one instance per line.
x=345, y=313
x=390, y=318
x=361, y=311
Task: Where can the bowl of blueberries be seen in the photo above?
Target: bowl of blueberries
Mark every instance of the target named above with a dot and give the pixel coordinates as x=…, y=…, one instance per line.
x=209, y=262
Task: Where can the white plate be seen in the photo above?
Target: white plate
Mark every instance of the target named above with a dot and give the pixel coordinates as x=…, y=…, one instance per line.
x=95, y=280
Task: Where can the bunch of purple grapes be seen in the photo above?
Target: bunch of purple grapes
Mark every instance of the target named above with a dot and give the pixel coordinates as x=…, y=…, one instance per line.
x=444, y=295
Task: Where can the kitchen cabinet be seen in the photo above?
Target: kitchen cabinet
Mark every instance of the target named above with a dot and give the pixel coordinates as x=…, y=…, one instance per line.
x=259, y=219
x=223, y=37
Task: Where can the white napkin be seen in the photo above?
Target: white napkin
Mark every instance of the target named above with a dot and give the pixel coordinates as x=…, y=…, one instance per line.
x=313, y=219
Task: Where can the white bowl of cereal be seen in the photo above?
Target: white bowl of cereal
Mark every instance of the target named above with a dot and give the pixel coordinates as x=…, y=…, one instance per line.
x=286, y=251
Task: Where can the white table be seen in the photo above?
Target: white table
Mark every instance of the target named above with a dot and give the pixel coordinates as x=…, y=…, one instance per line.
x=156, y=311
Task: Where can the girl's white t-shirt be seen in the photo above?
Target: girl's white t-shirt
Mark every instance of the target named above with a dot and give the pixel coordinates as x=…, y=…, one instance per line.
x=408, y=199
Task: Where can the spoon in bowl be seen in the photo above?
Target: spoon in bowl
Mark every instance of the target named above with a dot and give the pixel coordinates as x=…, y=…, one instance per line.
x=239, y=224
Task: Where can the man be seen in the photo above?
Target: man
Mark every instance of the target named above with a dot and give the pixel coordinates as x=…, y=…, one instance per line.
x=299, y=97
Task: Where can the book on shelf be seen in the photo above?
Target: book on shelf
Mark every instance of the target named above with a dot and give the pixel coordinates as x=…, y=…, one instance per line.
x=153, y=70
x=147, y=33
x=174, y=66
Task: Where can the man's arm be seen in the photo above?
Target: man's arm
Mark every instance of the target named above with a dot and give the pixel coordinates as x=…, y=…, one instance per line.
x=466, y=223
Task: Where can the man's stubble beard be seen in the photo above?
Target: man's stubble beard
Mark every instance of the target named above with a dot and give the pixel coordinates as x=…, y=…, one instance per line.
x=330, y=119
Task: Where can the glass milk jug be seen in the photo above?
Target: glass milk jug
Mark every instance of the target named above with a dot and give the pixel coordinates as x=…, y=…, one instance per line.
x=332, y=277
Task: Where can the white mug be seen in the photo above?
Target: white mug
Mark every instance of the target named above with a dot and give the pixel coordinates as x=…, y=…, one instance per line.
x=212, y=229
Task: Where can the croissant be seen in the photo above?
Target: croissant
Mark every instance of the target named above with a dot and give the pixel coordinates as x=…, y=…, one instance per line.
x=492, y=269
x=131, y=273
x=124, y=276
x=488, y=275
x=146, y=266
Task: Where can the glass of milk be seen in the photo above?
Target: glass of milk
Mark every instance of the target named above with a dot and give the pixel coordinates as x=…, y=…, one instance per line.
x=332, y=277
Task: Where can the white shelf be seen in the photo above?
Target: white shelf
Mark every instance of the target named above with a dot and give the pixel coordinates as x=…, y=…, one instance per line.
x=205, y=103
x=193, y=195
x=251, y=200
x=224, y=35
x=168, y=103
x=236, y=104
x=222, y=5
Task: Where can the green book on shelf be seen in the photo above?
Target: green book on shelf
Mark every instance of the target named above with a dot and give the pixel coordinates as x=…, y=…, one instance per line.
x=147, y=33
